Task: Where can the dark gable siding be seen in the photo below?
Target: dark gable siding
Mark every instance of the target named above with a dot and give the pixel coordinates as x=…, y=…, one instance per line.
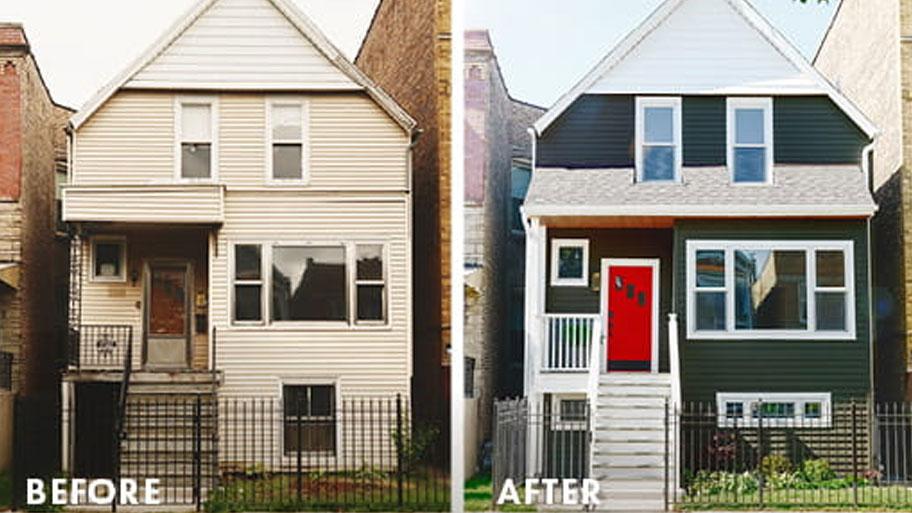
x=840, y=367
x=703, y=132
x=614, y=243
x=813, y=130
x=596, y=131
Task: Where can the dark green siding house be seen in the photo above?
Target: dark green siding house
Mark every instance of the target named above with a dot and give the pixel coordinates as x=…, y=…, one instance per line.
x=697, y=230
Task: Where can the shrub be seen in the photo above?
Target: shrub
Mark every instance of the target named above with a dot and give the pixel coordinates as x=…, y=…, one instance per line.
x=775, y=464
x=817, y=471
x=711, y=483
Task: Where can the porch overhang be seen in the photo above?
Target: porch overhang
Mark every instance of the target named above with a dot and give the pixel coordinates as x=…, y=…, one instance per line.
x=178, y=204
x=706, y=192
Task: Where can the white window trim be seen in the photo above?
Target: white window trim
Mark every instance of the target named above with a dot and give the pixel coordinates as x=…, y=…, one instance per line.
x=557, y=421
x=109, y=239
x=335, y=382
x=733, y=104
x=556, y=246
x=232, y=260
x=353, y=295
x=351, y=322
x=213, y=102
x=798, y=421
x=305, y=140
x=644, y=102
x=810, y=248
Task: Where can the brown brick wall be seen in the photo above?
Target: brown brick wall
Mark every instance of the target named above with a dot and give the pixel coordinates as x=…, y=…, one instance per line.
x=31, y=317
x=407, y=53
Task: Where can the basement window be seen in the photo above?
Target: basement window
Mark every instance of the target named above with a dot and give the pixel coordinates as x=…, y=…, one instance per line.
x=309, y=418
x=776, y=409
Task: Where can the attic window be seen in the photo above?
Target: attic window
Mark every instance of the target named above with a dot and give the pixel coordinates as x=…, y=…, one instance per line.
x=287, y=153
x=196, y=137
x=750, y=140
x=658, y=136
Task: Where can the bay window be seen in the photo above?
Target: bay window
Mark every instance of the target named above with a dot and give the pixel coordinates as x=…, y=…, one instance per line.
x=770, y=289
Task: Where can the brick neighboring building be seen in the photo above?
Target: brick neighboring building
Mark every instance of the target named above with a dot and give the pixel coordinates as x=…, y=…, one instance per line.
x=498, y=149
x=882, y=88
x=32, y=258
x=406, y=51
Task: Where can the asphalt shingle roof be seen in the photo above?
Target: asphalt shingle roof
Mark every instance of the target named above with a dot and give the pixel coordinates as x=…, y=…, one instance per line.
x=832, y=189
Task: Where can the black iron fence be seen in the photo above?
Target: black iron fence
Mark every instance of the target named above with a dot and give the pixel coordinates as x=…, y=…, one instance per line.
x=99, y=346
x=549, y=439
x=6, y=371
x=307, y=452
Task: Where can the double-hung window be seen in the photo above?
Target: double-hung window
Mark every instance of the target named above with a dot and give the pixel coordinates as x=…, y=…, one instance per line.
x=109, y=259
x=750, y=140
x=248, y=283
x=287, y=152
x=310, y=418
x=197, y=147
x=290, y=282
x=770, y=290
x=658, y=139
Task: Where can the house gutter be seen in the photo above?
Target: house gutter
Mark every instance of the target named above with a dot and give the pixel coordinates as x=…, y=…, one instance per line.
x=866, y=159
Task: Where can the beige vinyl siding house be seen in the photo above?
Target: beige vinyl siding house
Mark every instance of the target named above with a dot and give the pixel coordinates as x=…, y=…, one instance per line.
x=241, y=201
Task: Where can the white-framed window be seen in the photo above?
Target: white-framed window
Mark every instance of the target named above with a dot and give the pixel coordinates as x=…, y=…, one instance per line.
x=287, y=148
x=109, y=259
x=569, y=412
x=750, y=140
x=777, y=409
x=570, y=262
x=248, y=277
x=370, y=284
x=310, y=420
x=300, y=283
x=658, y=139
x=196, y=136
x=750, y=290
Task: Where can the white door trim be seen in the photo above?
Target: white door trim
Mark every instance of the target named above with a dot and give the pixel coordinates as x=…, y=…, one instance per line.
x=654, y=264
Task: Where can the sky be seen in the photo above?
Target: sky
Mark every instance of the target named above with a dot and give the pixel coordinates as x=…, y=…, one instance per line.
x=80, y=45
x=568, y=37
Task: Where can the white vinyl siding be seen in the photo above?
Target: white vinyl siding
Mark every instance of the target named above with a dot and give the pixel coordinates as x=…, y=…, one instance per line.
x=684, y=56
x=354, y=144
x=369, y=360
x=137, y=204
x=242, y=44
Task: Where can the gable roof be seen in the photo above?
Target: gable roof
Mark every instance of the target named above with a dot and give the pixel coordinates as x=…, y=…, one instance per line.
x=353, y=78
x=790, y=56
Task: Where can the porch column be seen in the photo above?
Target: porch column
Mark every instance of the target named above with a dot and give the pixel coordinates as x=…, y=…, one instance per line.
x=536, y=238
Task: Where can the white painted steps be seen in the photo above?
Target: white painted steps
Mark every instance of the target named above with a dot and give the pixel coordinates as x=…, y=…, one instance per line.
x=629, y=441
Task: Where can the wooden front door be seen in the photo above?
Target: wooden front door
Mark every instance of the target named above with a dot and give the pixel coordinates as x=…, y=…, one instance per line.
x=631, y=310
x=167, y=315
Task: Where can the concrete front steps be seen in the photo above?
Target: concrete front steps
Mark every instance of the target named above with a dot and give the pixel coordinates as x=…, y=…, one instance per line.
x=630, y=440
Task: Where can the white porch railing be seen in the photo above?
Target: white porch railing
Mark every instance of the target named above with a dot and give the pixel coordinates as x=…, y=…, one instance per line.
x=569, y=339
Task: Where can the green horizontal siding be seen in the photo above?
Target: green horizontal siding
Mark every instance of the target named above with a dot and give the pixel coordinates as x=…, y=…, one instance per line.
x=813, y=130
x=710, y=366
x=596, y=131
x=703, y=134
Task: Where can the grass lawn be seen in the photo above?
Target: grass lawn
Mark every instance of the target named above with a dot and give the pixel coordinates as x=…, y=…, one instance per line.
x=870, y=498
x=479, y=496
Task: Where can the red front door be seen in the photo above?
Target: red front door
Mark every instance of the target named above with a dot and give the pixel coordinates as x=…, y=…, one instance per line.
x=630, y=317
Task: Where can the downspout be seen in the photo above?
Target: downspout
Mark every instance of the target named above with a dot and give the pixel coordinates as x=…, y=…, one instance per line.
x=866, y=161
x=414, y=135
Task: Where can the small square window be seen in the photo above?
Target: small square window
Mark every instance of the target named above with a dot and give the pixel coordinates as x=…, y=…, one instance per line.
x=734, y=410
x=813, y=410
x=109, y=260
x=570, y=262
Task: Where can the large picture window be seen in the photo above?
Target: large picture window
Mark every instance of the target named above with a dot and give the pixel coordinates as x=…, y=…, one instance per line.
x=286, y=283
x=770, y=289
x=310, y=418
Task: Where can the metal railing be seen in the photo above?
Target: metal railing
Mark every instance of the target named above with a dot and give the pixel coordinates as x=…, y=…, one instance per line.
x=6, y=371
x=568, y=341
x=100, y=346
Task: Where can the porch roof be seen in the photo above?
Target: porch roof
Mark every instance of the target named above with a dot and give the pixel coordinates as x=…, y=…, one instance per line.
x=796, y=191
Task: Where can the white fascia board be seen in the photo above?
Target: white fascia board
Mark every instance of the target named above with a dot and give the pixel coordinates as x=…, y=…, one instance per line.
x=819, y=211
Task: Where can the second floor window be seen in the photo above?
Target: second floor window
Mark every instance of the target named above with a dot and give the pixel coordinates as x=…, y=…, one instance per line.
x=287, y=151
x=750, y=139
x=196, y=139
x=658, y=135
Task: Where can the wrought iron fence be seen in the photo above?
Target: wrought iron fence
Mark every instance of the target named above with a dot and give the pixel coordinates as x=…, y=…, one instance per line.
x=545, y=440
x=6, y=371
x=99, y=346
x=261, y=454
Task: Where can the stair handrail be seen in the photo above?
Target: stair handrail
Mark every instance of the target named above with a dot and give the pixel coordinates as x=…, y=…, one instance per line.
x=596, y=343
x=121, y=411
